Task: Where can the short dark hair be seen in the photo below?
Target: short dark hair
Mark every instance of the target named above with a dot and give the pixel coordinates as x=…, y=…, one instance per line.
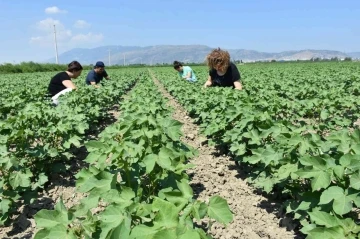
x=74, y=66
x=177, y=64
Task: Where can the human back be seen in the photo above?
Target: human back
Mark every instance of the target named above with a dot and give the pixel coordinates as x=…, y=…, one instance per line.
x=185, y=72
x=96, y=75
x=62, y=80
x=62, y=83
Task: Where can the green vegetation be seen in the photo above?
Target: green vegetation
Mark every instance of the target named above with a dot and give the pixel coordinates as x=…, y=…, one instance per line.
x=294, y=129
x=137, y=168
x=35, y=135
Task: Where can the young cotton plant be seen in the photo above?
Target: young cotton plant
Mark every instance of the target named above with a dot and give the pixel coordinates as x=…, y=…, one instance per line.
x=137, y=186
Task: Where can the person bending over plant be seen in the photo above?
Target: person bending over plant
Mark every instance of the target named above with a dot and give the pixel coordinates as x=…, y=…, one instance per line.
x=61, y=83
x=222, y=72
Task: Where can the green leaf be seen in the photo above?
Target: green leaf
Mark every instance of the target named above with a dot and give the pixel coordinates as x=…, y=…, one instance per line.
x=122, y=231
x=102, y=182
x=330, y=194
x=94, y=146
x=185, y=188
x=143, y=232
x=165, y=157
x=219, y=210
x=323, y=219
x=149, y=161
x=4, y=206
x=190, y=234
x=93, y=157
x=167, y=215
x=328, y=233
x=321, y=180
x=75, y=140
x=199, y=210
x=20, y=179
x=238, y=149
x=51, y=218
x=58, y=231
x=111, y=219
x=355, y=181
x=339, y=171
x=342, y=205
x=173, y=129
x=324, y=114
x=346, y=159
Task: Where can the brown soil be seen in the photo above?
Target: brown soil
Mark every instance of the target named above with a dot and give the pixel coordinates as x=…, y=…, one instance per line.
x=254, y=215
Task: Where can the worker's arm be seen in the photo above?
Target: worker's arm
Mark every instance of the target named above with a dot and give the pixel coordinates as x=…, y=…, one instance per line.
x=69, y=84
x=93, y=83
x=208, y=82
x=237, y=85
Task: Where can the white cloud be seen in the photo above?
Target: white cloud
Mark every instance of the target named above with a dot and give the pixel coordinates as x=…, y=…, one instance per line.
x=47, y=25
x=54, y=10
x=46, y=29
x=87, y=38
x=66, y=39
x=35, y=39
x=81, y=24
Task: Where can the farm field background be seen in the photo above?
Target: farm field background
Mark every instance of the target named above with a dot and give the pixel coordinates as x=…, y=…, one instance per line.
x=293, y=133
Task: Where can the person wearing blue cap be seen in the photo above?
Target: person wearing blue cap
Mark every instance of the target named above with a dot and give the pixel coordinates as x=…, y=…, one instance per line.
x=97, y=74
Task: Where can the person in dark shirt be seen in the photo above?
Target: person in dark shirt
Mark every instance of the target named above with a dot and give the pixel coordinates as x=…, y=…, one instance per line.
x=61, y=83
x=222, y=71
x=96, y=75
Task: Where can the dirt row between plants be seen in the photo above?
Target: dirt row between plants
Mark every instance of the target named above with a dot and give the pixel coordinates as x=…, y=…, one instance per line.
x=214, y=175
x=60, y=185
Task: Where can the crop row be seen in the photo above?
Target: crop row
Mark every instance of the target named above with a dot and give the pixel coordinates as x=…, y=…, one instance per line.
x=37, y=139
x=136, y=176
x=313, y=165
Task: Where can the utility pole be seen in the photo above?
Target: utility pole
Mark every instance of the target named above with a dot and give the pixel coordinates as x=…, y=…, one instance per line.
x=56, y=49
x=124, y=59
x=109, y=57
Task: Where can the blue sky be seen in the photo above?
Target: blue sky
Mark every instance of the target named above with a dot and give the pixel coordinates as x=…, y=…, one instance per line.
x=263, y=25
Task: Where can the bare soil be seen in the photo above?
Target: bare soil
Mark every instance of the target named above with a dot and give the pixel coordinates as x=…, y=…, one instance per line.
x=254, y=215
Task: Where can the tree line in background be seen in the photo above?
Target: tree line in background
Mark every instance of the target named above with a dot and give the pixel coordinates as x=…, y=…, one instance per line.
x=30, y=67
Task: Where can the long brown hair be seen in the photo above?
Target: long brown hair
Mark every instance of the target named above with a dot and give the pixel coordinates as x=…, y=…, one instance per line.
x=219, y=58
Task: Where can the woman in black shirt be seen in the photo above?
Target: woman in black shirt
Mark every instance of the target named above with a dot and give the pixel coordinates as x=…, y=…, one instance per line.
x=61, y=83
x=222, y=72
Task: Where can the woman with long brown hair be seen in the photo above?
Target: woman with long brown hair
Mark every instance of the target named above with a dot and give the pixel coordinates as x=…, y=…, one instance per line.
x=222, y=72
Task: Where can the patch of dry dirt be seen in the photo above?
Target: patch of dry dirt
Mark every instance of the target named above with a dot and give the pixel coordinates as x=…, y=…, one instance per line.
x=254, y=216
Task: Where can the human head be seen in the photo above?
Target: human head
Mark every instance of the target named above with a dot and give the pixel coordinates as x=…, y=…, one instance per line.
x=218, y=59
x=178, y=66
x=99, y=67
x=75, y=68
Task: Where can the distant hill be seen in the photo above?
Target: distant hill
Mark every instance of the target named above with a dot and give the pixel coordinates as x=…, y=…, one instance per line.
x=355, y=55
x=184, y=53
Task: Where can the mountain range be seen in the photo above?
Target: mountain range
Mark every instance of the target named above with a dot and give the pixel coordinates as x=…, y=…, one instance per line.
x=184, y=53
